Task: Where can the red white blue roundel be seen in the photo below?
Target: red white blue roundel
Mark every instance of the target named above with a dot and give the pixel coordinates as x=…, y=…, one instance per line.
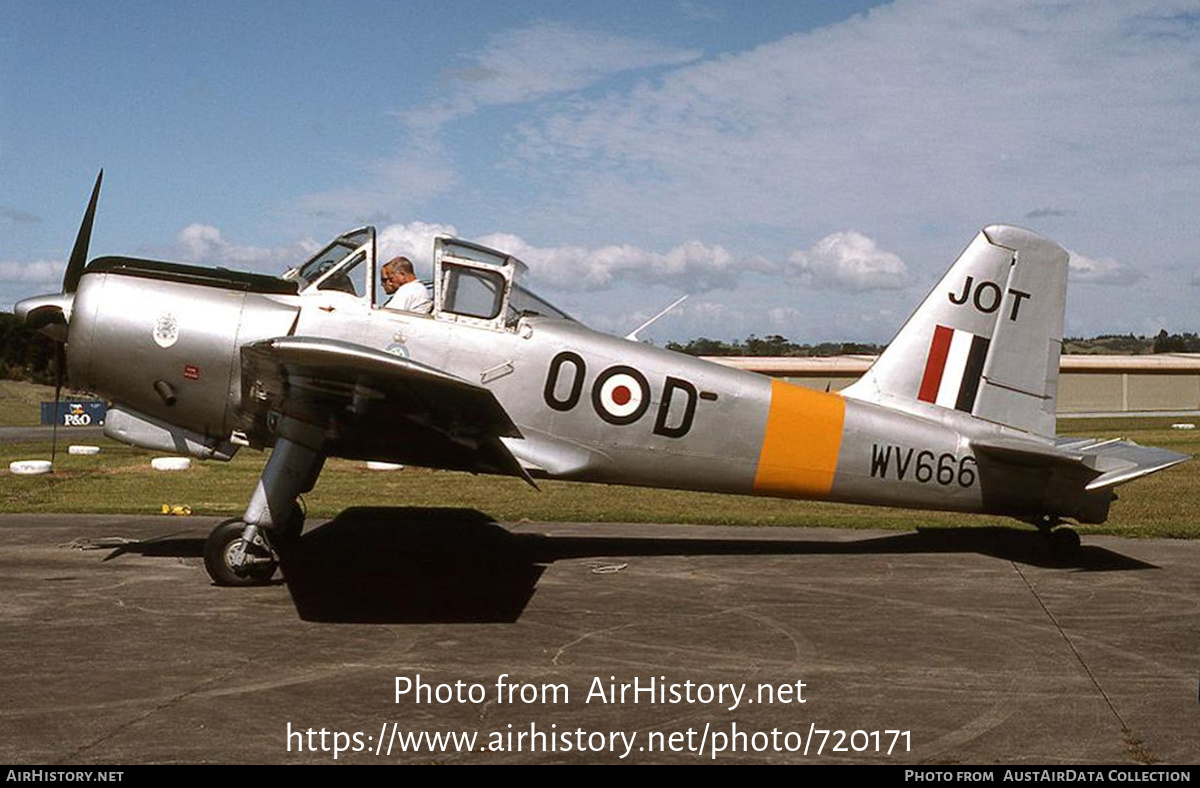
x=621, y=395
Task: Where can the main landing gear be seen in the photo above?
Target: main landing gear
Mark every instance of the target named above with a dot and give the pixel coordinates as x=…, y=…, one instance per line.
x=237, y=554
x=233, y=560
x=244, y=551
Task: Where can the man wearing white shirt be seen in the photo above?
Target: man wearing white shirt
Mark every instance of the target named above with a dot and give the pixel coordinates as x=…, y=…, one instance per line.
x=405, y=289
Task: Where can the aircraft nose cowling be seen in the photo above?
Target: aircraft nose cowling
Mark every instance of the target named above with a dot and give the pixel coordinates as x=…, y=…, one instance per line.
x=49, y=314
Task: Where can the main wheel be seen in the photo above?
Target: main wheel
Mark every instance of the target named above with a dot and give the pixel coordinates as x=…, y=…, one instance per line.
x=223, y=551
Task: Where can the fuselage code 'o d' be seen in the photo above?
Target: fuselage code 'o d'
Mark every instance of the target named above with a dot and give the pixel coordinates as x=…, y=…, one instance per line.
x=620, y=395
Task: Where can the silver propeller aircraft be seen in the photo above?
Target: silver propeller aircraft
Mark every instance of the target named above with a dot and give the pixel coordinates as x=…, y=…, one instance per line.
x=957, y=414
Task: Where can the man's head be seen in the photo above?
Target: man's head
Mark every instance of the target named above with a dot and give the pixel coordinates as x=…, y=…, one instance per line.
x=396, y=272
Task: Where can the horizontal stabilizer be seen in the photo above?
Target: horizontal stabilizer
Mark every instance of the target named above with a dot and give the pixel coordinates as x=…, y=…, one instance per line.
x=1112, y=461
x=1123, y=461
x=1022, y=452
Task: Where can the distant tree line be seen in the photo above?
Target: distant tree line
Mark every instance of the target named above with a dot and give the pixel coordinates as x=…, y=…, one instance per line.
x=1131, y=345
x=24, y=354
x=776, y=345
x=1176, y=343
x=773, y=345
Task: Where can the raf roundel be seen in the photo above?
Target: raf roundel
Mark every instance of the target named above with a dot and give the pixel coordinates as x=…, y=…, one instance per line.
x=621, y=395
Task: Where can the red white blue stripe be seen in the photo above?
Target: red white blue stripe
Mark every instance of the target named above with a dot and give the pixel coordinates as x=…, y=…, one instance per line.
x=953, y=368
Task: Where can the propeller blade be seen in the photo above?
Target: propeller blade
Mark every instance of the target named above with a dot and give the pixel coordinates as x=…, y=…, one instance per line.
x=79, y=253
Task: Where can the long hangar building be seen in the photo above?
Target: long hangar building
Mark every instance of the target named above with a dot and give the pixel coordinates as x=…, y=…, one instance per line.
x=1164, y=383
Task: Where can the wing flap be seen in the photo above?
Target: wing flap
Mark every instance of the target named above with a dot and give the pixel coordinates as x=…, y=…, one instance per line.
x=378, y=406
x=543, y=454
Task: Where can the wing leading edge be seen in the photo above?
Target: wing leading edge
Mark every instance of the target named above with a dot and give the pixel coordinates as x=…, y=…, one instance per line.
x=378, y=406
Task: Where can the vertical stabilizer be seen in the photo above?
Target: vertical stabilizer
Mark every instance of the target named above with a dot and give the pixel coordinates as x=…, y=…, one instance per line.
x=986, y=341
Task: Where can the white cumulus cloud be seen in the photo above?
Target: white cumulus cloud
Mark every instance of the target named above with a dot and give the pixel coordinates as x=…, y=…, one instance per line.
x=1101, y=271
x=49, y=271
x=849, y=261
x=205, y=245
x=414, y=240
x=691, y=267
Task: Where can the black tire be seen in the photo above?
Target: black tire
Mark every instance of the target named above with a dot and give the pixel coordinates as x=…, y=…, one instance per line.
x=1065, y=544
x=218, y=548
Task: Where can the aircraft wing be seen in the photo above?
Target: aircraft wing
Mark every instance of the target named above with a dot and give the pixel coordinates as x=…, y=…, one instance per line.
x=374, y=405
x=1111, y=462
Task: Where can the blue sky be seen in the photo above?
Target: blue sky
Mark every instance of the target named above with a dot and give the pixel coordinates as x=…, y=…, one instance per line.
x=808, y=169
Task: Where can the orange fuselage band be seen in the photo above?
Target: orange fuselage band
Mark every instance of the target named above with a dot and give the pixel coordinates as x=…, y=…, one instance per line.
x=800, y=449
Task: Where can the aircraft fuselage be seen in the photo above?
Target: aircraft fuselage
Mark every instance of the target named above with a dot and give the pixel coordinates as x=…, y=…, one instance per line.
x=590, y=407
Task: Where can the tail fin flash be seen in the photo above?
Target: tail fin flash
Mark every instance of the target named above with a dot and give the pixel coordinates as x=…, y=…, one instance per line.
x=987, y=340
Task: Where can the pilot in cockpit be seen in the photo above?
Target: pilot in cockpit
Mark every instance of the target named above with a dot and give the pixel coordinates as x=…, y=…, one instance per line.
x=401, y=283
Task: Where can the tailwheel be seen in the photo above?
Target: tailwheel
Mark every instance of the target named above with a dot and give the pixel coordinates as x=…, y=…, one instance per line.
x=230, y=561
x=1065, y=543
x=1062, y=539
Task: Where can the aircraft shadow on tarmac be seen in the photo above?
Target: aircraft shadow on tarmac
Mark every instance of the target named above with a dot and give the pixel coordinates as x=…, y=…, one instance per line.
x=447, y=565
x=414, y=565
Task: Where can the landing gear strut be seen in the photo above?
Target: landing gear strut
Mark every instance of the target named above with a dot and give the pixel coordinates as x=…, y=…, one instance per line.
x=242, y=552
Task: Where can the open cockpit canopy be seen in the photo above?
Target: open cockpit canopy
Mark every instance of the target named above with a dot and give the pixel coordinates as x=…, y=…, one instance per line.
x=347, y=264
x=481, y=286
x=471, y=283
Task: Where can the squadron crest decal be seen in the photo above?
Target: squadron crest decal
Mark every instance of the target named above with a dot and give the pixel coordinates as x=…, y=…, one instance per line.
x=166, y=330
x=398, y=346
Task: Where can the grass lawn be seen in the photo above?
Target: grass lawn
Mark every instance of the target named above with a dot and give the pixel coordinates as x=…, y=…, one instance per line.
x=120, y=480
x=21, y=403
